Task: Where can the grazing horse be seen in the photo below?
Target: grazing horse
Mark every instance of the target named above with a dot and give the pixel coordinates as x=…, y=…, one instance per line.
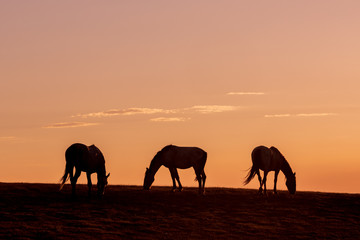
x=174, y=157
x=87, y=159
x=270, y=159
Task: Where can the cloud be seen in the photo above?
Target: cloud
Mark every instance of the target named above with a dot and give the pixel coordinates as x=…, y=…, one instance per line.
x=315, y=114
x=128, y=111
x=149, y=111
x=299, y=115
x=245, y=93
x=168, y=119
x=213, y=108
x=277, y=115
x=7, y=138
x=70, y=125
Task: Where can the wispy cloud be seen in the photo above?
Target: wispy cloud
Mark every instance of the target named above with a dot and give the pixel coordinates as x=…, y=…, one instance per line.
x=169, y=119
x=245, y=93
x=315, y=114
x=214, y=108
x=149, y=111
x=277, y=115
x=7, y=138
x=300, y=115
x=70, y=125
x=128, y=111
x=163, y=115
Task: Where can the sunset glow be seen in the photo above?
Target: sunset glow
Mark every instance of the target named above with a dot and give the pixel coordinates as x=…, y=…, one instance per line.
x=226, y=76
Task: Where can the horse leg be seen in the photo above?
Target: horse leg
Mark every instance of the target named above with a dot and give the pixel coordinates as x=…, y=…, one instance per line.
x=259, y=177
x=203, y=176
x=172, y=173
x=88, y=175
x=71, y=174
x=198, y=178
x=275, y=180
x=74, y=180
x=178, y=179
x=264, y=181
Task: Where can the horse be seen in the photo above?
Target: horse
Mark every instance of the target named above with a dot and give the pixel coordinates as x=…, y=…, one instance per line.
x=87, y=159
x=174, y=157
x=270, y=159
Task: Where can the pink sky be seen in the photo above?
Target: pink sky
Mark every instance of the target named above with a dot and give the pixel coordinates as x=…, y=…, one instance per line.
x=132, y=77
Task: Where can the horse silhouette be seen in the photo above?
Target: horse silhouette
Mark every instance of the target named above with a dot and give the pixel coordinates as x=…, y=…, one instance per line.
x=270, y=159
x=174, y=157
x=87, y=159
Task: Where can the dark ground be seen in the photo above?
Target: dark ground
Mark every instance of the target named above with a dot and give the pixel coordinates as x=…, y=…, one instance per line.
x=40, y=211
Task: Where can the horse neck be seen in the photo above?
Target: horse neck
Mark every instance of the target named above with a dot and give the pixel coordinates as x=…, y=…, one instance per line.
x=101, y=171
x=155, y=165
x=286, y=169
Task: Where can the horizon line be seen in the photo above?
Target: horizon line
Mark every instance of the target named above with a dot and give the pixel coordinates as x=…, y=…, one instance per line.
x=192, y=187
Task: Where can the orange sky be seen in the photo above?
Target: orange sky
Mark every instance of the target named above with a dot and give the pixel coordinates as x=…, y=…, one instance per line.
x=226, y=76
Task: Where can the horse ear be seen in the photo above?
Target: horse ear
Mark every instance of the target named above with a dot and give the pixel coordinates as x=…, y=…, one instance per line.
x=107, y=175
x=294, y=174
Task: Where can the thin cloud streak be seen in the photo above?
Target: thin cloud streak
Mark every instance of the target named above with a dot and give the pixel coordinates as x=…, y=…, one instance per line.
x=174, y=119
x=300, y=115
x=125, y=112
x=148, y=111
x=205, y=109
x=277, y=115
x=245, y=93
x=71, y=125
x=315, y=114
x=7, y=138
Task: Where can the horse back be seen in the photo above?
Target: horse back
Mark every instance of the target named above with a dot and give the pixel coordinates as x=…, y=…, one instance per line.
x=183, y=157
x=96, y=156
x=266, y=159
x=84, y=158
x=76, y=153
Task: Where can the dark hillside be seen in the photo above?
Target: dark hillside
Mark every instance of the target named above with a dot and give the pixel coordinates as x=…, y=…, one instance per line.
x=38, y=211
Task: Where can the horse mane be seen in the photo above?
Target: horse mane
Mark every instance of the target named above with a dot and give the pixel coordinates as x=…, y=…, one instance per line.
x=166, y=148
x=278, y=152
x=95, y=152
x=154, y=161
x=285, y=166
x=156, y=158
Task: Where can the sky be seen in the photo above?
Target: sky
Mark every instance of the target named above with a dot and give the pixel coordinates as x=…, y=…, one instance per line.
x=134, y=76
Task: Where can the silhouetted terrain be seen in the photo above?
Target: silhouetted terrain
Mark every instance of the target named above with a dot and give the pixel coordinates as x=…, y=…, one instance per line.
x=39, y=211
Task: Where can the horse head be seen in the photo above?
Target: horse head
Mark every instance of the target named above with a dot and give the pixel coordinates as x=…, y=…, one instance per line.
x=102, y=182
x=291, y=183
x=148, y=180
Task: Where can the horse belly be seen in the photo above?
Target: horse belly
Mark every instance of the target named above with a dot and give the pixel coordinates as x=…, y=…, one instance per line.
x=91, y=165
x=268, y=166
x=181, y=162
x=177, y=164
x=184, y=165
x=183, y=157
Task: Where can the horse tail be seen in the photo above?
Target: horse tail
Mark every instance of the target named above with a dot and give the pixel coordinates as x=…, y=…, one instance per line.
x=65, y=177
x=250, y=175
